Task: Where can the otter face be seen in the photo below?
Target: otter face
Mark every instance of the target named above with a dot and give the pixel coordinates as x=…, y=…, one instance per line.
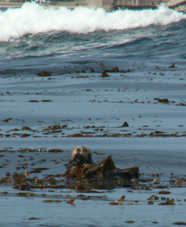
x=80, y=155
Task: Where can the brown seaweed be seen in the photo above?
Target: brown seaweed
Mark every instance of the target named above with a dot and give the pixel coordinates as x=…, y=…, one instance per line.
x=168, y=202
x=179, y=223
x=101, y=175
x=104, y=74
x=44, y=73
x=165, y=100
x=70, y=201
x=119, y=201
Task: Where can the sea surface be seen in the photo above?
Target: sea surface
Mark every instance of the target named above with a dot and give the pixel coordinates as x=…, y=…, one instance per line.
x=112, y=81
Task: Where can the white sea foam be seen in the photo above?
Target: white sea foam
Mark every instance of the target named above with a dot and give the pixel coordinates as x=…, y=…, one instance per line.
x=32, y=18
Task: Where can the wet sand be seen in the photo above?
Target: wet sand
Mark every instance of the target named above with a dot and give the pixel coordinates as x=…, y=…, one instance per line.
x=44, y=117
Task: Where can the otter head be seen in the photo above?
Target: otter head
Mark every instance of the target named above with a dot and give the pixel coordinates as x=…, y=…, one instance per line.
x=80, y=155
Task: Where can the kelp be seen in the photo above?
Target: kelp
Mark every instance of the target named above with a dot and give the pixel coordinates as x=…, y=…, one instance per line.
x=168, y=202
x=104, y=170
x=119, y=201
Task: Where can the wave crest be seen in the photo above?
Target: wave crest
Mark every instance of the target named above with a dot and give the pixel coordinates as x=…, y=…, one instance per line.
x=32, y=18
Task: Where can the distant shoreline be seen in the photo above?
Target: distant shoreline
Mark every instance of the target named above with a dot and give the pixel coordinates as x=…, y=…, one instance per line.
x=11, y=4
x=71, y=5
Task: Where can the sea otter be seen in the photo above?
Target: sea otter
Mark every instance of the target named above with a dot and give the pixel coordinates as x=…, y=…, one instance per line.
x=81, y=167
x=80, y=155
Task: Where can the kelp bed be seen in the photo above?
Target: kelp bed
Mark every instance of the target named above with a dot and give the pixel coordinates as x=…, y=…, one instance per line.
x=137, y=116
x=36, y=182
x=88, y=178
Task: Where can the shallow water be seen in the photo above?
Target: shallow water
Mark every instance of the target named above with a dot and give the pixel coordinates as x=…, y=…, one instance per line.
x=76, y=105
x=72, y=105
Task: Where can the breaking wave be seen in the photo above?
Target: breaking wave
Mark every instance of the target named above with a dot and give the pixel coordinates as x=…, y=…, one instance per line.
x=32, y=18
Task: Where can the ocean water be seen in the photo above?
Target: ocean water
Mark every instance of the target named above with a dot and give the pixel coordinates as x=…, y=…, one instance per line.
x=147, y=49
x=72, y=35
